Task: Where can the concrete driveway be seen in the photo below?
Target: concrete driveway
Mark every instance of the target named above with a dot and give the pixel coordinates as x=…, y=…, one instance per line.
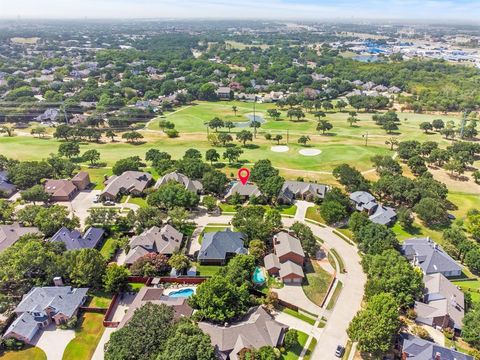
x=53, y=341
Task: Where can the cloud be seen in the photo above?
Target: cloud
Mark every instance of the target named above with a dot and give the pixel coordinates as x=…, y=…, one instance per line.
x=467, y=10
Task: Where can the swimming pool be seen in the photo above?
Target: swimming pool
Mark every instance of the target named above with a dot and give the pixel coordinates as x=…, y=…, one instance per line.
x=182, y=293
x=258, y=276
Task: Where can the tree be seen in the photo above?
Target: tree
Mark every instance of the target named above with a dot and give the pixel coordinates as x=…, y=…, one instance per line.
x=277, y=138
x=472, y=224
x=476, y=176
x=352, y=118
x=271, y=187
x=207, y=92
x=34, y=194
x=10, y=131
x=85, y=267
x=405, y=218
x=256, y=223
x=303, y=140
x=92, y=156
x=133, y=163
x=375, y=326
x=40, y=131
x=50, y=219
x=439, y=157
x=132, y=136
x=431, y=211
x=392, y=142
x=351, y=178
x=229, y=125
x=244, y=136
x=179, y=262
x=212, y=155
x=209, y=202
x=333, y=211
x=291, y=339
x=234, y=109
x=69, y=149
x=426, y=126
x=390, y=126
x=341, y=105
x=232, y=154
x=274, y=114
x=306, y=237
x=417, y=165
x=257, y=249
x=390, y=272
x=471, y=327
x=224, y=138
x=7, y=209
x=375, y=238
x=323, y=126
x=102, y=217
x=385, y=165
x=111, y=135
x=144, y=336
x=438, y=124
x=188, y=343
x=173, y=194
x=262, y=170
x=216, y=123
x=214, y=181
x=193, y=154
x=319, y=115
x=150, y=264
x=115, y=279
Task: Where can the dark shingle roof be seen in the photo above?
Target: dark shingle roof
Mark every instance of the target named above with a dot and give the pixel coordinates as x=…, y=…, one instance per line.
x=216, y=245
x=74, y=240
x=419, y=349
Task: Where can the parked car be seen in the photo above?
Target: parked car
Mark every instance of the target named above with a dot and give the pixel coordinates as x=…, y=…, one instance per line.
x=339, y=351
x=109, y=203
x=96, y=200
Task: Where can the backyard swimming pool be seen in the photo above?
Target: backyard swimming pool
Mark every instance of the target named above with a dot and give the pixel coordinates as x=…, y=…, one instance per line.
x=182, y=293
x=258, y=276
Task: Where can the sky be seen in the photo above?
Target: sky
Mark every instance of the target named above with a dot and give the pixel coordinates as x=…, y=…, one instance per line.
x=432, y=10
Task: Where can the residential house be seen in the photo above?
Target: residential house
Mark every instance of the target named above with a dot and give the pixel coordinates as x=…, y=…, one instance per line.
x=287, y=259
x=224, y=93
x=60, y=189
x=157, y=296
x=443, y=303
x=377, y=213
x=246, y=191
x=129, y=183
x=81, y=180
x=7, y=189
x=191, y=185
x=292, y=190
x=258, y=328
x=218, y=246
x=10, y=234
x=428, y=256
x=165, y=240
x=43, y=305
x=74, y=240
x=49, y=115
x=414, y=348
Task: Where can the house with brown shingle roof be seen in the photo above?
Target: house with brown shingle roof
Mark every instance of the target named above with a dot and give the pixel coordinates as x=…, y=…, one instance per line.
x=258, y=328
x=66, y=190
x=129, y=183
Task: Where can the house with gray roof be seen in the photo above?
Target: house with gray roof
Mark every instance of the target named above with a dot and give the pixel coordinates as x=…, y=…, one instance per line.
x=258, y=328
x=10, y=234
x=428, y=256
x=74, y=240
x=7, y=189
x=165, y=240
x=377, y=213
x=414, y=348
x=443, y=303
x=224, y=93
x=246, y=191
x=218, y=246
x=287, y=259
x=42, y=306
x=129, y=183
x=194, y=186
x=292, y=190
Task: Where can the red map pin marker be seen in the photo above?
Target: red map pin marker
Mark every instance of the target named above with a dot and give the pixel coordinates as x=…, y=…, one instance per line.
x=243, y=175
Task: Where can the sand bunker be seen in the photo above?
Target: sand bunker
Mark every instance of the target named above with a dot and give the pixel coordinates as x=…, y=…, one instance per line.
x=310, y=152
x=279, y=148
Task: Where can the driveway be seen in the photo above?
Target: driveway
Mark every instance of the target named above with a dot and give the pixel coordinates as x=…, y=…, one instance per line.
x=302, y=207
x=295, y=295
x=53, y=341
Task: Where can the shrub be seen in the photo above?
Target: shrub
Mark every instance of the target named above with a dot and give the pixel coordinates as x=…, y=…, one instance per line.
x=411, y=314
x=421, y=332
x=70, y=324
x=291, y=339
x=449, y=334
x=171, y=133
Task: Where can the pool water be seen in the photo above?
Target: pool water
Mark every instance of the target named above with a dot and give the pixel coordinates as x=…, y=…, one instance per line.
x=182, y=293
x=258, y=276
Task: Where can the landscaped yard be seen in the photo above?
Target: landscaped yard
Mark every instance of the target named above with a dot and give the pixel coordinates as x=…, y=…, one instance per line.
x=228, y=208
x=30, y=353
x=100, y=299
x=472, y=287
x=335, y=295
x=288, y=210
x=298, y=315
x=212, y=228
x=295, y=352
x=108, y=248
x=316, y=282
x=313, y=214
x=86, y=339
x=136, y=286
x=207, y=270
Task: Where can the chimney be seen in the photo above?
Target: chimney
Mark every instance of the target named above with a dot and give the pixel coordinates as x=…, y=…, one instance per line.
x=57, y=281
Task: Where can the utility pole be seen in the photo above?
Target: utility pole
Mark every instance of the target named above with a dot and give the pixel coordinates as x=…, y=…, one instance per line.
x=464, y=122
x=254, y=118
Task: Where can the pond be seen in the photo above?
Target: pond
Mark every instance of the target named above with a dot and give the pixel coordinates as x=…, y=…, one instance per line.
x=251, y=118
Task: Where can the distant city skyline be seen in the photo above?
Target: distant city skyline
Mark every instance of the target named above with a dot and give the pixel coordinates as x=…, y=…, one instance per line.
x=432, y=10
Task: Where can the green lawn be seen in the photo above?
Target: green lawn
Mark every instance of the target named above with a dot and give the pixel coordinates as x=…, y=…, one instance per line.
x=140, y=201
x=472, y=287
x=228, y=208
x=100, y=299
x=29, y=353
x=314, y=214
x=207, y=270
x=310, y=349
x=136, y=286
x=86, y=339
x=303, y=317
x=288, y=210
x=109, y=248
x=339, y=259
x=336, y=294
x=295, y=352
x=316, y=282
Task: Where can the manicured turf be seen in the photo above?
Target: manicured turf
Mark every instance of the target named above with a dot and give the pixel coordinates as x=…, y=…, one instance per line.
x=316, y=282
x=207, y=270
x=472, y=287
x=313, y=214
x=136, y=286
x=228, y=208
x=211, y=228
x=336, y=294
x=100, y=299
x=30, y=353
x=298, y=315
x=86, y=339
x=294, y=353
x=310, y=349
x=108, y=249
x=339, y=259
